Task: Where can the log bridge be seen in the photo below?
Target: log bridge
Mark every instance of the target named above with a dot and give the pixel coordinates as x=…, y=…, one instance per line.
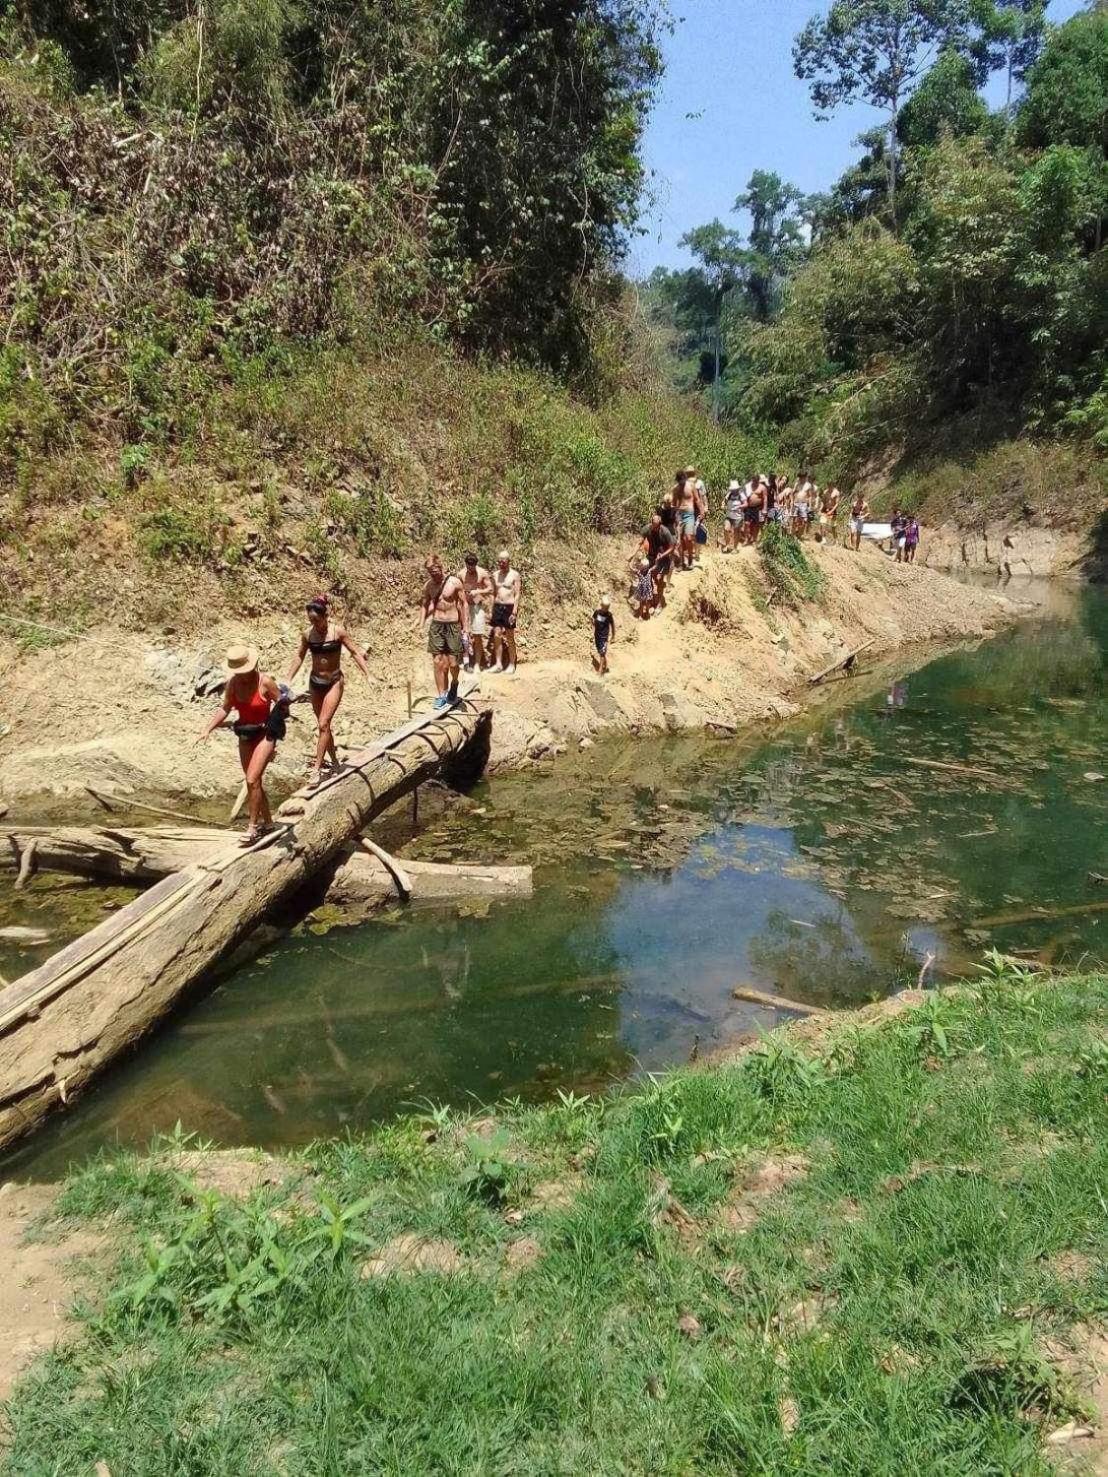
x=66, y=1021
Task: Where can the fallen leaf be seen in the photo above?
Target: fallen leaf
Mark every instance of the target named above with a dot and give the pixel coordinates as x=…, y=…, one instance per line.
x=1071, y=1431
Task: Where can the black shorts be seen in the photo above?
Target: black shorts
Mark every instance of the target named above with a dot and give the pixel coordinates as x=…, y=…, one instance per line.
x=752, y=515
x=503, y=617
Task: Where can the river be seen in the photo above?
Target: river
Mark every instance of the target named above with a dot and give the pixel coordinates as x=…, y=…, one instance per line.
x=823, y=862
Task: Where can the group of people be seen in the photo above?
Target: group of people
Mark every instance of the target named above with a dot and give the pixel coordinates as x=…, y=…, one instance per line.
x=678, y=528
x=459, y=612
x=470, y=617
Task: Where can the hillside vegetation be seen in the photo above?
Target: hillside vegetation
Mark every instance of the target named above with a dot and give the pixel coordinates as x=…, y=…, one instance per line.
x=302, y=285
x=949, y=294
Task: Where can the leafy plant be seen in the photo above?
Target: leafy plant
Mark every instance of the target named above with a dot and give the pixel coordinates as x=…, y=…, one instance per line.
x=791, y=575
x=488, y=1174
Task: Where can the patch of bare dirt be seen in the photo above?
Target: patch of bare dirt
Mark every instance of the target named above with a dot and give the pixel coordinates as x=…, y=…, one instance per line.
x=521, y=1254
x=754, y=1185
x=229, y=1172
x=1080, y=1446
x=410, y=1253
x=1070, y=1266
x=671, y=672
x=557, y=1194
x=40, y=1279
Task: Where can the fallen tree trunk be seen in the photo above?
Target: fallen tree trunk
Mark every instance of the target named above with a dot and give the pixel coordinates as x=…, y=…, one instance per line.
x=360, y=881
x=844, y=663
x=65, y=1021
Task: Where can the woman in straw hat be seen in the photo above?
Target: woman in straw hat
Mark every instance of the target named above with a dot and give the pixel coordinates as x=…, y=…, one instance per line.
x=256, y=701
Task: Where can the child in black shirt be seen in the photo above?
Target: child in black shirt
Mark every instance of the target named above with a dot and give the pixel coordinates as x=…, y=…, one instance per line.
x=603, y=629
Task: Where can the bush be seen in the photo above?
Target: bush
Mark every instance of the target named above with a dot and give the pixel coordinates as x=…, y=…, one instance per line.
x=791, y=575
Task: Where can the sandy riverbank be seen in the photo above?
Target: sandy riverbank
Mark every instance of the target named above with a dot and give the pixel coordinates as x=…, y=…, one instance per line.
x=117, y=710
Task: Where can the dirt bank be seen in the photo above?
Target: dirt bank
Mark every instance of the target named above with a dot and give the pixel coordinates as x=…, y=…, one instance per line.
x=118, y=710
x=1010, y=550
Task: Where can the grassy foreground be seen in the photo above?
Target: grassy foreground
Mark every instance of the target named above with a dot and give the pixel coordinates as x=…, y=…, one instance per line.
x=876, y=1249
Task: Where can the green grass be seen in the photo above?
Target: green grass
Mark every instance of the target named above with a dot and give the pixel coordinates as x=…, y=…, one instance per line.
x=898, y=1306
x=790, y=574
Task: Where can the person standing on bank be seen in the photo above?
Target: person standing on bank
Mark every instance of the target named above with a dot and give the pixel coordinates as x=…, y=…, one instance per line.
x=507, y=592
x=324, y=640
x=444, y=612
x=261, y=708
x=478, y=587
x=603, y=633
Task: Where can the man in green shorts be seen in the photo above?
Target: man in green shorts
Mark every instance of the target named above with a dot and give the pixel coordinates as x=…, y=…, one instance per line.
x=444, y=605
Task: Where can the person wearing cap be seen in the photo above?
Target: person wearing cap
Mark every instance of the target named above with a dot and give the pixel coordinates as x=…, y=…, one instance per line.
x=507, y=592
x=258, y=703
x=477, y=583
x=325, y=641
x=732, y=505
x=603, y=632
x=444, y=612
x=658, y=547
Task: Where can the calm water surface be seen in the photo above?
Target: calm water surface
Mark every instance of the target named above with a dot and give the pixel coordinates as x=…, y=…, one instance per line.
x=822, y=864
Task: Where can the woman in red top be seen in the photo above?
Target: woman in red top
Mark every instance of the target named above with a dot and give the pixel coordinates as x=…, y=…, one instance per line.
x=253, y=697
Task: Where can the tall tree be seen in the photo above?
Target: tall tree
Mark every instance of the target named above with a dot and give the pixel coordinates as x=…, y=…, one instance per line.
x=1012, y=35
x=776, y=237
x=877, y=50
x=723, y=260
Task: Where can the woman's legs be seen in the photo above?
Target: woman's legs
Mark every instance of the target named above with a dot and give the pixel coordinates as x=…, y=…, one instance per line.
x=254, y=755
x=324, y=704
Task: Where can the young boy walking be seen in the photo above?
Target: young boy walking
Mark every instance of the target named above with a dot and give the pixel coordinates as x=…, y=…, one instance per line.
x=603, y=631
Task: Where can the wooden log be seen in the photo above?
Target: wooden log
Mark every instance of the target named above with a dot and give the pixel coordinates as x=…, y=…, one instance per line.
x=985, y=774
x=66, y=1021
x=775, y=1002
x=1040, y=915
x=360, y=880
x=843, y=663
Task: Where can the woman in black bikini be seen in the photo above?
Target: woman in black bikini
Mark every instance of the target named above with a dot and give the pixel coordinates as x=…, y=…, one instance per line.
x=325, y=641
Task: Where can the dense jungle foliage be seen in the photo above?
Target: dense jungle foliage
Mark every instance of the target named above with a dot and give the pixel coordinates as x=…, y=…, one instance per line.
x=957, y=271
x=190, y=188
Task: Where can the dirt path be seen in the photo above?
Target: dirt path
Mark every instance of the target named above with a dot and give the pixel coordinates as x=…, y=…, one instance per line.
x=118, y=710
x=40, y=1279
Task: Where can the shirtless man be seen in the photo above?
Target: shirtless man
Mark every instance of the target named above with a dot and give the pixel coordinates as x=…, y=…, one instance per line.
x=507, y=589
x=477, y=583
x=829, y=514
x=445, y=606
x=859, y=512
x=688, y=510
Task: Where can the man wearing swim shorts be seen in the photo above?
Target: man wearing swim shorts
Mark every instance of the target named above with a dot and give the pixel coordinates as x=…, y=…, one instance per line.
x=507, y=586
x=444, y=611
x=477, y=583
x=688, y=511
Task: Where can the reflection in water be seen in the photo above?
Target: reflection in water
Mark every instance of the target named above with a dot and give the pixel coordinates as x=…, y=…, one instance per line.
x=941, y=813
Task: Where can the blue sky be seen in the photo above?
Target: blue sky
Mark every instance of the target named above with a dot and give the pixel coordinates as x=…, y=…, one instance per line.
x=730, y=62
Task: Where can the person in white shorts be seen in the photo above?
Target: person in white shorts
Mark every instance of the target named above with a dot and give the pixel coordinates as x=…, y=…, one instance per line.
x=477, y=583
x=859, y=512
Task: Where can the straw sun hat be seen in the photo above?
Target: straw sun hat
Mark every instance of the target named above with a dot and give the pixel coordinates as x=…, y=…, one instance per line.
x=238, y=660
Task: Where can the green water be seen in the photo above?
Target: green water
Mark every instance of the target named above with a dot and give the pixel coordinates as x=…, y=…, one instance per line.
x=817, y=863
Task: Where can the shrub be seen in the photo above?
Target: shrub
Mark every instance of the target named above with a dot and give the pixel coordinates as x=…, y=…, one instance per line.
x=791, y=574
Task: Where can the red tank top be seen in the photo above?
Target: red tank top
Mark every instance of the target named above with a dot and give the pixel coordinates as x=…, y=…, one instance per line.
x=254, y=708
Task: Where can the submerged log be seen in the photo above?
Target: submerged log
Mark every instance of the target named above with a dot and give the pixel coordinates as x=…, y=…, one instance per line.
x=360, y=881
x=65, y=1021
x=844, y=663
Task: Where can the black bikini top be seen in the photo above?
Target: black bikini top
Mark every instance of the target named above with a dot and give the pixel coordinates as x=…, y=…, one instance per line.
x=324, y=646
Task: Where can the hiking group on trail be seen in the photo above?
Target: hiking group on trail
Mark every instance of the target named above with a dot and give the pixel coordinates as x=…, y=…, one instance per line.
x=471, y=617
